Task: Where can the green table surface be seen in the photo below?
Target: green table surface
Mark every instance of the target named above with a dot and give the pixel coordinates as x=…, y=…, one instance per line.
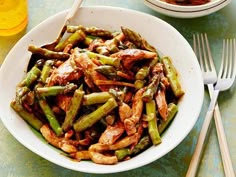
x=17, y=161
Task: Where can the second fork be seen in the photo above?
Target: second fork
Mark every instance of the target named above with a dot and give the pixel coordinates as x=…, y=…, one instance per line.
x=225, y=80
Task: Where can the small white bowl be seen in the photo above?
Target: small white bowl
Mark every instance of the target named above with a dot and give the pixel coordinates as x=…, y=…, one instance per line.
x=187, y=8
x=160, y=34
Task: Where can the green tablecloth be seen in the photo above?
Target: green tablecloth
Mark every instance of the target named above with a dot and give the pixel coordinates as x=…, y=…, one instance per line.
x=17, y=161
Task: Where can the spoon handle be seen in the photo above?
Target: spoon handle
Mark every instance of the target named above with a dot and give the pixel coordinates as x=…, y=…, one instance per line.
x=73, y=10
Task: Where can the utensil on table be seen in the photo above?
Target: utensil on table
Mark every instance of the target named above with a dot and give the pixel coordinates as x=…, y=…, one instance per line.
x=224, y=81
x=227, y=163
x=51, y=46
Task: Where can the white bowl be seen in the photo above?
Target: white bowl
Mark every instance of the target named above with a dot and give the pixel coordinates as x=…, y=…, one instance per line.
x=188, y=8
x=186, y=11
x=163, y=36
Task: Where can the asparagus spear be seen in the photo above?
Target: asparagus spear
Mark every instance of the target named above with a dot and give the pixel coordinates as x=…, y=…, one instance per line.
x=144, y=71
x=50, y=116
x=172, y=110
x=152, y=123
x=151, y=88
x=139, y=84
x=89, y=120
x=46, y=70
x=143, y=144
x=55, y=90
x=48, y=54
x=73, y=109
x=20, y=94
x=105, y=60
x=30, y=77
x=122, y=153
x=113, y=73
x=73, y=39
x=137, y=39
x=106, y=70
x=29, y=117
x=96, y=98
x=94, y=31
x=172, y=76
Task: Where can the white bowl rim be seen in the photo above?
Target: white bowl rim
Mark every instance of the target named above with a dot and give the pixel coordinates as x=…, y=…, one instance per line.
x=186, y=14
x=180, y=8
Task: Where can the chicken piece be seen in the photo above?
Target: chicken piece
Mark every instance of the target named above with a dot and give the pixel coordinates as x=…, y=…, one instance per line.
x=130, y=56
x=162, y=107
x=63, y=101
x=122, y=143
x=100, y=158
x=124, y=111
x=112, y=133
x=81, y=155
x=65, y=73
x=88, y=67
x=64, y=144
x=137, y=109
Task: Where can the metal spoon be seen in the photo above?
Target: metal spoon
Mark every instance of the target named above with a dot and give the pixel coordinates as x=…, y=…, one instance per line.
x=51, y=46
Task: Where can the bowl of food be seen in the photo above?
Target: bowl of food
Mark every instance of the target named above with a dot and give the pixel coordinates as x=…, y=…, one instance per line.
x=111, y=96
x=186, y=8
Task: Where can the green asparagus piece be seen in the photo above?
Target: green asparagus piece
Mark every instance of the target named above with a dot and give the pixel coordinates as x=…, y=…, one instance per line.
x=30, y=77
x=20, y=94
x=152, y=123
x=48, y=54
x=96, y=98
x=73, y=39
x=46, y=71
x=55, y=90
x=144, y=71
x=73, y=109
x=137, y=39
x=172, y=110
x=172, y=76
x=106, y=70
x=151, y=88
x=112, y=45
x=94, y=31
x=50, y=117
x=89, y=120
x=105, y=60
x=143, y=144
x=88, y=40
x=139, y=84
x=30, y=118
x=122, y=153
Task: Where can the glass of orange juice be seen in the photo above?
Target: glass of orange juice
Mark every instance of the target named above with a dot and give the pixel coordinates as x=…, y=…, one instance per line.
x=13, y=16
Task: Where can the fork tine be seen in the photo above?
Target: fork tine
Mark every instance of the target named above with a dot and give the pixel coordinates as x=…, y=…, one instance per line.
x=234, y=58
x=203, y=53
x=227, y=68
x=197, y=49
x=211, y=64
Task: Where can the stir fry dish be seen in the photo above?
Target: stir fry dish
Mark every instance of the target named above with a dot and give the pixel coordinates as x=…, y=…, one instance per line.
x=99, y=95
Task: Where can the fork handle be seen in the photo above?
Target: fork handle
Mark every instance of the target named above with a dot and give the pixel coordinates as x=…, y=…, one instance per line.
x=194, y=163
x=224, y=150
x=227, y=163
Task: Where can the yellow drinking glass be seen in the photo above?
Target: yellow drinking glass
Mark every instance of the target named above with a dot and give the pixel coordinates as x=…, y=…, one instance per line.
x=13, y=16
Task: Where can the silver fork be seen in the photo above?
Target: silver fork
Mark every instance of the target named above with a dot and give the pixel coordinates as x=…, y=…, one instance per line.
x=224, y=81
